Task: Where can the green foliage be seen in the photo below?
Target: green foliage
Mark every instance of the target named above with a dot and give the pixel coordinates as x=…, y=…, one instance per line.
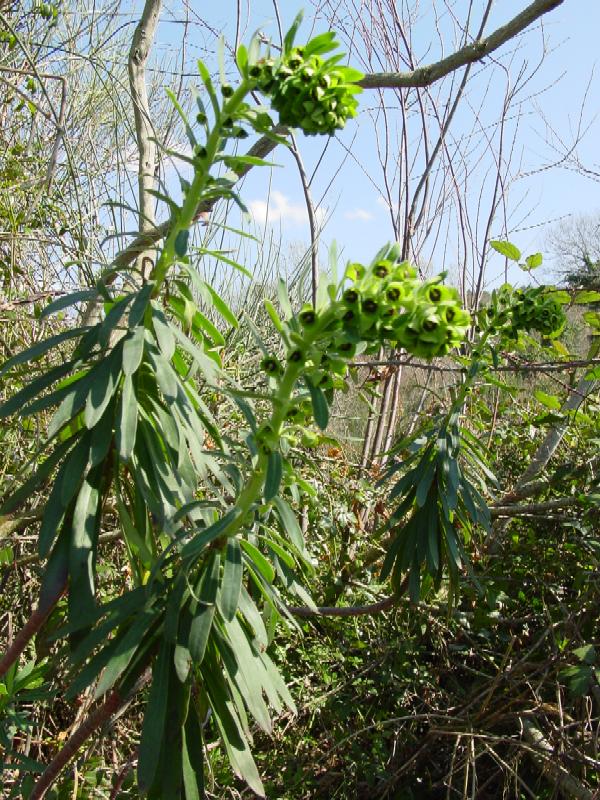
x=441, y=490
x=206, y=512
x=534, y=309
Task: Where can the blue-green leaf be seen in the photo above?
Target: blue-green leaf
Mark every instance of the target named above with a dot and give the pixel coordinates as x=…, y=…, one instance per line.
x=133, y=350
x=40, y=348
x=232, y=579
x=127, y=420
x=103, y=388
x=68, y=300
x=181, y=242
x=154, y=719
x=138, y=308
x=84, y=538
x=319, y=404
x=204, y=610
x=274, y=475
x=289, y=522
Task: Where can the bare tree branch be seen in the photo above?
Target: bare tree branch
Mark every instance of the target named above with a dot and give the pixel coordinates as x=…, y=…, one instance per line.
x=344, y=611
x=425, y=76
x=98, y=718
x=547, y=759
x=138, y=55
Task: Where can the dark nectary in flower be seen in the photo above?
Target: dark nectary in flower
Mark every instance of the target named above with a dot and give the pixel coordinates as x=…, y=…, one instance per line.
x=296, y=356
x=308, y=317
x=381, y=270
x=270, y=365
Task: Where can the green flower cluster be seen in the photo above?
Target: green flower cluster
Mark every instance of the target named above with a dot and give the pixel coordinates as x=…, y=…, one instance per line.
x=384, y=303
x=534, y=309
x=310, y=92
x=387, y=303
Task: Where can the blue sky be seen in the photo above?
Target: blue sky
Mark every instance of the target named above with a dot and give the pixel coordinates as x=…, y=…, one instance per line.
x=561, y=99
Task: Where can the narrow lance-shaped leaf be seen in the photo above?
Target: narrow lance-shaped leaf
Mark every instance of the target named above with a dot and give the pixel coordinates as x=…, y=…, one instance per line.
x=232, y=579
x=204, y=610
x=124, y=651
x=205, y=536
x=112, y=319
x=33, y=388
x=25, y=491
x=243, y=673
x=104, y=386
x=212, y=297
x=193, y=757
x=133, y=350
x=75, y=467
x=135, y=539
x=68, y=300
x=139, y=305
x=289, y=523
x=61, y=495
x=154, y=718
x=40, y=348
x=102, y=435
x=71, y=396
x=164, y=335
x=84, y=537
x=319, y=404
x=127, y=419
x=288, y=41
x=274, y=474
x=231, y=731
x=258, y=560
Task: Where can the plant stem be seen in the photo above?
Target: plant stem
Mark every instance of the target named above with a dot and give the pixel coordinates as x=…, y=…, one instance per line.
x=281, y=404
x=31, y=627
x=193, y=199
x=99, y=717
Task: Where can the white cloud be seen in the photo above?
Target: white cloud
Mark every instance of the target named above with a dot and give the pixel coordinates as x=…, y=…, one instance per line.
x=359, y=214
x=321, y=215
x=278, y=208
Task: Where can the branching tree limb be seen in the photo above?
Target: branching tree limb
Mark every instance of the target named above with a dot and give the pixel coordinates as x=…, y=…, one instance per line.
x=425, y=76
x=548, y=762
x=344, y=611
x=145, y=135
x=100, y=717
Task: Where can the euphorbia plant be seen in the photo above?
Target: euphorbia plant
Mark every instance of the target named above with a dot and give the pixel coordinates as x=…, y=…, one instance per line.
x=210, y=534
